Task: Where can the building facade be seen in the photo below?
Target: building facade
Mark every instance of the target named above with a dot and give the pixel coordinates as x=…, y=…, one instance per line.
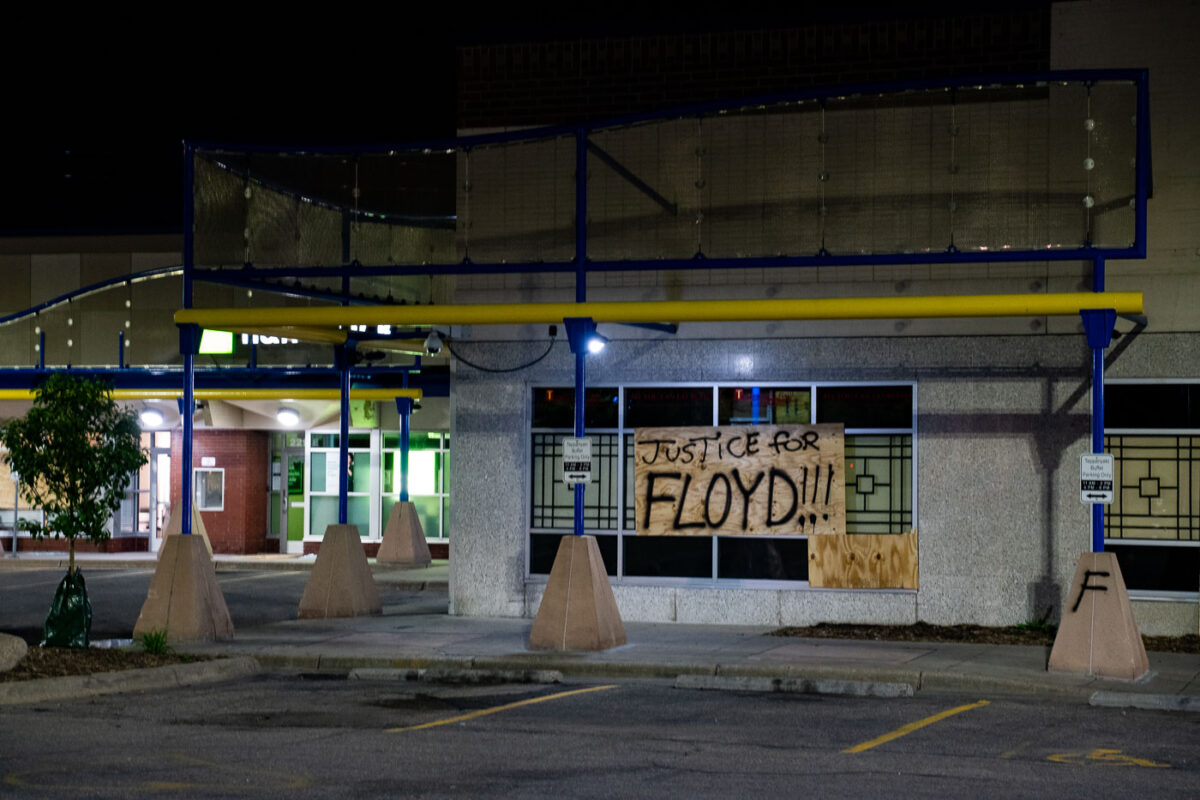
x=967, y=431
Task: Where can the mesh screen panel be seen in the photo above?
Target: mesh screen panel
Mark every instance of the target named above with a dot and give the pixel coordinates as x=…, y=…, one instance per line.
x=517, y=202
x=975, y=169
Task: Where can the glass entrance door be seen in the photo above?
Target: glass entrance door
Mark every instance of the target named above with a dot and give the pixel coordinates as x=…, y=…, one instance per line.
x=144, y=510
x=292, y=499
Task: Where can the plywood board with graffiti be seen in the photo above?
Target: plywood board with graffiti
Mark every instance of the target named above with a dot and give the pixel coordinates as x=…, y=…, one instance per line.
x=754, y=480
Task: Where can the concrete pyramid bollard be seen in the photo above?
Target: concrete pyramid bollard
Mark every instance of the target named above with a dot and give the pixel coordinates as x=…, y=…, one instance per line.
x=175, y=527
x=1097, y=635
x=341, y=584
x=184, y=599
x=578, y=610
x=404, y=538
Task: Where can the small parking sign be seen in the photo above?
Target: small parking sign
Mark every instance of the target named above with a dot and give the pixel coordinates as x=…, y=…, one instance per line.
x=577, y=460
x=1096, y=478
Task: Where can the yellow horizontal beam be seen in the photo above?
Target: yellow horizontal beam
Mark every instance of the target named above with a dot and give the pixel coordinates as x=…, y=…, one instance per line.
x=987, y=305
x=238, y=394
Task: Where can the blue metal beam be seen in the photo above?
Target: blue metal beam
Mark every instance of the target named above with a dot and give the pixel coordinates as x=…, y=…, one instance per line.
x=701, y=263
x=433, y=382
x=91, y=288
x=632, y=179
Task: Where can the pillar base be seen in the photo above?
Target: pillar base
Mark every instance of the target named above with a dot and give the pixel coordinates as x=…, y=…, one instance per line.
x=578, y=610
x=184, y=598
x=404, y=538
x=340, y=584
x=1097, y=635
x=175, y=526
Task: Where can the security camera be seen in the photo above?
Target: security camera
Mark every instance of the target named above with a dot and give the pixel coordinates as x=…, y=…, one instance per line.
x=433, y=343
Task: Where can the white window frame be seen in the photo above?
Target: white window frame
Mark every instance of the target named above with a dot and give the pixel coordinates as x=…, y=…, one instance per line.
x=196, y=486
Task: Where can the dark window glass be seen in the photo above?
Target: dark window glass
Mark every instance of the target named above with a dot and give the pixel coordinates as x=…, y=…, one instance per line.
x=1154, y=568
x=543, y=547
x=668, y=556
x=555, y=407
x=765, y=559
x=753, y=405
x=865, y=406
x=1159, y=405
x=553, y=501
x=358, y=441
x=669, y=406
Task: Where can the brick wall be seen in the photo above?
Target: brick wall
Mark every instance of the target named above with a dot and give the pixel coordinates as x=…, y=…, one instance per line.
x=242, y=526
x=566, y=80
x=120, y=544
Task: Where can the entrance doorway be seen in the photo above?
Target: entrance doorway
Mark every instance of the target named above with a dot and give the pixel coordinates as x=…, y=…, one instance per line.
x=146, y=505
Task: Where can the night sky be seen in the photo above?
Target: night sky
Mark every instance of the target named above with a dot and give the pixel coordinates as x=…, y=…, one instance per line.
x=96, y=109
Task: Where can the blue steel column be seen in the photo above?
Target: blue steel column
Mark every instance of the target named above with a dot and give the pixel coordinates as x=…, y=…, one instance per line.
x=580, y=384
x=342, y=361
x=188, y=339
x=579, y=346
x=1098, y=325
x=579, y=330
x=404, y=405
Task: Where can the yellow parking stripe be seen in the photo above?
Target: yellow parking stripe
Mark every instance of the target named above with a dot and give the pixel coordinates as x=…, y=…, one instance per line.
x=496, y=709
x=913, y=726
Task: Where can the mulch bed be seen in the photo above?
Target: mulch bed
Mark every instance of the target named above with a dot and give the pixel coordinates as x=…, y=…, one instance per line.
x=970, y=634
x=54, y=662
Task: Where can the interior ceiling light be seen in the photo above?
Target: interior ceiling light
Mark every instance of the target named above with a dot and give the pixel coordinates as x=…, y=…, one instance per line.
x=151, y=417
x=288, y=417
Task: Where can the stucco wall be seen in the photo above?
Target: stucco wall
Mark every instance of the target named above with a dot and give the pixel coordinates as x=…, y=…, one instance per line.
x=1001, y=422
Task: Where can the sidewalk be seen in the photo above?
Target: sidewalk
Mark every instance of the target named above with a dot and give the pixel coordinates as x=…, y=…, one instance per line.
x=420, y=635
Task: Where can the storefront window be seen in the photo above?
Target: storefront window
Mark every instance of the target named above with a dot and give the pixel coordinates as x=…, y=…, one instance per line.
x=879, y=424
x=323, y=478
x=1153, y=523
x=428, y=465
x=668, y=406
x=753, y=405
x=210, y=489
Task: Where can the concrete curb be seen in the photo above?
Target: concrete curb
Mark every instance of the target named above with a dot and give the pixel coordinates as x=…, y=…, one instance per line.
x=130, y=680
x=456, y=676
x=413, y=586
x=1151, y=702
x=795, y=686
x=824, y=679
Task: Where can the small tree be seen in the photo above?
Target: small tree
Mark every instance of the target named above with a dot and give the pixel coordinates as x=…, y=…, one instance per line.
x=75, y=452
